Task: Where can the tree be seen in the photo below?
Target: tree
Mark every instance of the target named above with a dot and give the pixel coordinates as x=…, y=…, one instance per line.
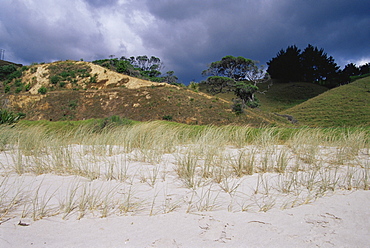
x=365, y=69
x=6, y=70
x=286, y=65
x=245, y=91
x=170, y=77
x=144, y=63
x=218, y=84
x=317, y=66
x=349, y=71
x=310, y=65
x=236, y=74
x=236, y=68
x=140, y=67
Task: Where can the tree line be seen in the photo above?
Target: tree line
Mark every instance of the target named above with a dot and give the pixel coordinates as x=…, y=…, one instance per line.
x=241, y=76
x=312, y=65
x=144, y=67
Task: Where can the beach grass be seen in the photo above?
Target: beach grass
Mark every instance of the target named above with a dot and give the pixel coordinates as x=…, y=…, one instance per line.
x=161, y=167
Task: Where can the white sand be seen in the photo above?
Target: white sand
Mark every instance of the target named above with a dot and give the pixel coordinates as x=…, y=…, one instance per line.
x=337, y=219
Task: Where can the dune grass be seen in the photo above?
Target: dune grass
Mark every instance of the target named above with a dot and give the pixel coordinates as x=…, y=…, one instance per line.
x=161, y=167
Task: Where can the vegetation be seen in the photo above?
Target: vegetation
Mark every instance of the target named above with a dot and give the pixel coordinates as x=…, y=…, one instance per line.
x=311, y=65
x=204, y=168
x=235, y=82
x=236, y=74
x=9, y=117
x=281, y=96
x=347, y=105
x=69, y=72
x=141, y=66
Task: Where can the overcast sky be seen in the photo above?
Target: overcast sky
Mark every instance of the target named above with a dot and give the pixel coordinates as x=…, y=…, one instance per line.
x=186, y=35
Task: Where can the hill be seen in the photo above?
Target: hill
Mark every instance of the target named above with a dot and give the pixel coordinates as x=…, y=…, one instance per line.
x=347, y=105
x=70, y=90
x=4, y=62
x=276, y=97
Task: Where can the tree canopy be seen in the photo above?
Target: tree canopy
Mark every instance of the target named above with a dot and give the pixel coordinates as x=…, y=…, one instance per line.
x=237, y=74
x=141, y=66
x=236, y=68
x=310, y=65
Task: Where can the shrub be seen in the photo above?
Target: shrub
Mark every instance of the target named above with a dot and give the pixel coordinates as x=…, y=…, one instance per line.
x=93, y=78
x=9, y=117
x=238, y=107
x=42, y=90
x=194, y=86
x=254, y=104
x=167, y=117
x=7, y=89
x=15, y=74
x=54, y=79
x=6, y=70
x=18, y=89
x=27, y=87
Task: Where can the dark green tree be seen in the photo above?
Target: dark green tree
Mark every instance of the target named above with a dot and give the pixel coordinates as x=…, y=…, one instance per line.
x=310, y=65
x=6, y=70
x=246, y=92
x=286, y=65
x=218, y=84
x=317, y=66
x=365, y=69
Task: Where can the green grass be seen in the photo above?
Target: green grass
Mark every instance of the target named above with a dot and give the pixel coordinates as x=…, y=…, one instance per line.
x=281, y=96
x=344, y=106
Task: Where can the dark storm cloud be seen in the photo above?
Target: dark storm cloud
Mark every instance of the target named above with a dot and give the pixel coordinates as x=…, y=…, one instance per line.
x=199, y=33
x=186, y=34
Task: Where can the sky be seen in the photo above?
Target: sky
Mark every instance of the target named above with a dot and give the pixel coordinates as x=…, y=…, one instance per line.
x=187, y=35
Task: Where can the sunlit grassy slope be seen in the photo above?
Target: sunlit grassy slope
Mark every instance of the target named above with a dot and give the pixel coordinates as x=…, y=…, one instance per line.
x=347, y=105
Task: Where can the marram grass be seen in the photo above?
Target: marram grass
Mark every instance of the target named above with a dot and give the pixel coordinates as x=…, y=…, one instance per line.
x=186, y=168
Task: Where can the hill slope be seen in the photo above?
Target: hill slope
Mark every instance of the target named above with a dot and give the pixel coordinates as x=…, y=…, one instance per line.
x=347, y=105
x=278, y=96
x=80, y=90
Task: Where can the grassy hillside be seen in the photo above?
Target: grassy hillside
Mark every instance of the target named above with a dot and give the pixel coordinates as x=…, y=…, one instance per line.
x=347, y=105
x=80, y=90
x=277, y=97
x=280, y=96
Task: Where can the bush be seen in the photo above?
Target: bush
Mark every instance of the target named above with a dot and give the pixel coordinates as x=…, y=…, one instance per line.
x=194, y=86
x=42, y=90
x=54, y=79
x=27, y=87
x=6, y=70
x=238, y=107
x=16, y=74
x=254, y=104
x=9, y=117
x=7, y=89
x=167, y=117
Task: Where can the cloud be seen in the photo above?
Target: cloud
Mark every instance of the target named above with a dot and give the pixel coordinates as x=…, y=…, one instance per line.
x=186, y=35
